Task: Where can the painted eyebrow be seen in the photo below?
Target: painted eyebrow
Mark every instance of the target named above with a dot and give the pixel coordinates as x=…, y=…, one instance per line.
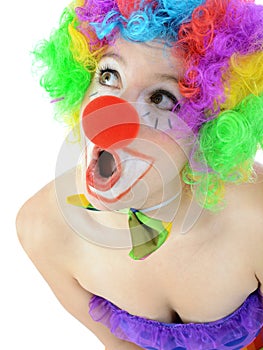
x=156, y=75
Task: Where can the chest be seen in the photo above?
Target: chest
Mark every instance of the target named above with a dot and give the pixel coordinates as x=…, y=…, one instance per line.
x=184, y=281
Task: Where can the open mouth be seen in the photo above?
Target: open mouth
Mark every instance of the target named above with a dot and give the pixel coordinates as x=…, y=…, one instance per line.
x=106, y=164
x=103, y=171
x=110, y=175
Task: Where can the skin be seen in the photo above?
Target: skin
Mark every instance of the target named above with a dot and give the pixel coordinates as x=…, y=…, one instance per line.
x=138, y=85
x=217, y=263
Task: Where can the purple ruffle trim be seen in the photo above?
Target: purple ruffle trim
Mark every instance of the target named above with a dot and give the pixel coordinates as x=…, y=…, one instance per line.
x=232, y=332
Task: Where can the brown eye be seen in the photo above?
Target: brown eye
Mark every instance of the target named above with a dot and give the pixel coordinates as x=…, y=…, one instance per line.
x=164, y=100
x=157, y=98
x=109, y=77
x=105, y=78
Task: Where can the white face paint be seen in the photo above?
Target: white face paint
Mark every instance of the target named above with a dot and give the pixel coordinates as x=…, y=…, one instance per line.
x=109, y=177
x=147, y=77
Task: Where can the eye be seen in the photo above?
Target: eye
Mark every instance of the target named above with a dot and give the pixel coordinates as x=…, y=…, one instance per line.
x=165, y=100
x=108, y=77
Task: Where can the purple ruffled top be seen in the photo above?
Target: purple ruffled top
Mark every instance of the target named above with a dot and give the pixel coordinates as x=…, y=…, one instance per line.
x=232, y=332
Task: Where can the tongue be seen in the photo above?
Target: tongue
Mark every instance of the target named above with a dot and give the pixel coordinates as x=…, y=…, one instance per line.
x=106, y=164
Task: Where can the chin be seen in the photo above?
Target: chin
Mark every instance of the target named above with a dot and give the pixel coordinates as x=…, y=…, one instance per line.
x=127, y=200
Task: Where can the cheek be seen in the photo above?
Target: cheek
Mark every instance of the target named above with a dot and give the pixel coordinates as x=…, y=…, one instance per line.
x=171, y=165
x=169, y=157
x=158, y=120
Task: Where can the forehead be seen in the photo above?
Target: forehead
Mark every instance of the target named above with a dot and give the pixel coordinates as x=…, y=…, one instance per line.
x=152, y=54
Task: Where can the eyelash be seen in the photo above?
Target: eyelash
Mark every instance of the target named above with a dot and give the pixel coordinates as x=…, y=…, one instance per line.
x=106, y=68
x=170, y=96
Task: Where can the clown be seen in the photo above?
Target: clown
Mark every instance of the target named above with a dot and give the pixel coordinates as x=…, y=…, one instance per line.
x=166, y=100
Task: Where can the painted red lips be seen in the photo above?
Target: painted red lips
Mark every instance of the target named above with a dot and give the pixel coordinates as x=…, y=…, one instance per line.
x=104, y=170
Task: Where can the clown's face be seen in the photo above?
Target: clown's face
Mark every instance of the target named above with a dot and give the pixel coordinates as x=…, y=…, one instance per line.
x=144, y=169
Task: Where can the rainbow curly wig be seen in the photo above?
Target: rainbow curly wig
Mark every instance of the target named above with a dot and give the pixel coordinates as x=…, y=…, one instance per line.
x=220, y=44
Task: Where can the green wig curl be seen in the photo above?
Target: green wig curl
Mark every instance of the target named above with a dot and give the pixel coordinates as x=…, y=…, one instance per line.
x=66, y=64
x=229, y=144
x=221, y=44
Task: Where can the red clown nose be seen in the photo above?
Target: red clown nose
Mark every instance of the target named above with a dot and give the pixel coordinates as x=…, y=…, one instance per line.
x=110, y=122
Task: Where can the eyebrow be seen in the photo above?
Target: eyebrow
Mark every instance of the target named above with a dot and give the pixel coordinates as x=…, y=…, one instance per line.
x=156, y=75
x=167, y=77
x=116, y=56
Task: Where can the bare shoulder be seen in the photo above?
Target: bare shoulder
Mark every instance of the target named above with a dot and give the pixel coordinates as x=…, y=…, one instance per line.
x=31, y=217
x=247, y=199
x=244, y=213
x=38, y=208
x=40, y=224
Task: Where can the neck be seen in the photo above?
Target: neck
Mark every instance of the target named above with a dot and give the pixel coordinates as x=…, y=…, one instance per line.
x=167, y=209
x=161, y=205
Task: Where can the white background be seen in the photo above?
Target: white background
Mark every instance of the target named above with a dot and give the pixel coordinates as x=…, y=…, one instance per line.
x=31, y=318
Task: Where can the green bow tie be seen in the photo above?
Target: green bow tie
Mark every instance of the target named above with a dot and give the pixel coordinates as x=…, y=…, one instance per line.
x=142, y=228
